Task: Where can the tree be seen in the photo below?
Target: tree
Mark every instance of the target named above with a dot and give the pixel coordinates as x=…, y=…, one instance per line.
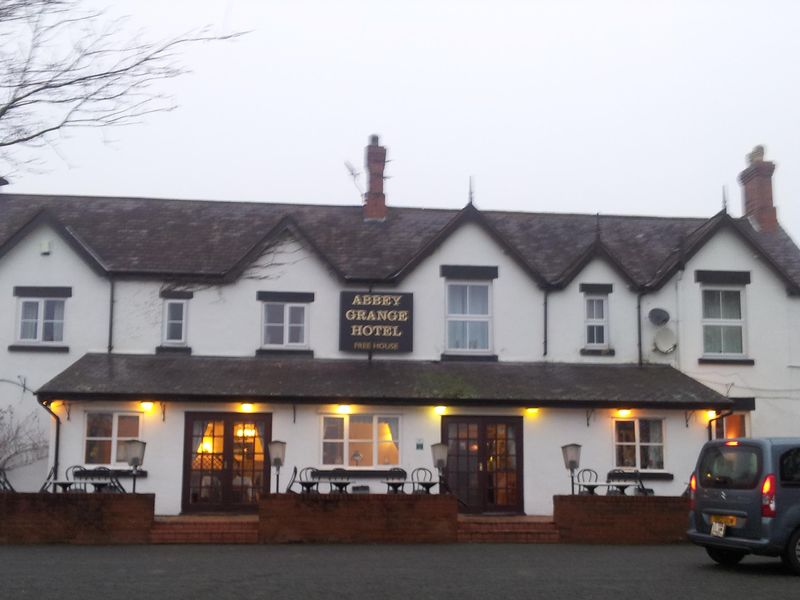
x=22, y=440
x=62, y=67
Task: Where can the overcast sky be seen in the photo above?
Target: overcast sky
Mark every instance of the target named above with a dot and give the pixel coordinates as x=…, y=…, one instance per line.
x=617, y=107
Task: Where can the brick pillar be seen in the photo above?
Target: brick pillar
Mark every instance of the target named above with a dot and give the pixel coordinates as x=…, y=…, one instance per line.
x=756, y=182
x=375, y=200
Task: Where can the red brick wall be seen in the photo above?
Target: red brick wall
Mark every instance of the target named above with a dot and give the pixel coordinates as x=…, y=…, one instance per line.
x=358, y=518
x=75, y=518
x=621, y=519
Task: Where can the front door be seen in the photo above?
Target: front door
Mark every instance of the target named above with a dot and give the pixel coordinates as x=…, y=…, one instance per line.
x=484, y=462
x=226, y=466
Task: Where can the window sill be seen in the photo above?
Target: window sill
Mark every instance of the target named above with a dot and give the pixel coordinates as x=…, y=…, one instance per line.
x=284, y=352
x=725, y=361
x=597, y=352
x=469, y=358
x=37, y=348
x=173, y=350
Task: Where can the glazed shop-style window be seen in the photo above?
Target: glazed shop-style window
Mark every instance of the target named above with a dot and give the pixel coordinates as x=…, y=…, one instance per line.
x=41, y=320
x=104, y=431
x=468, y=317
x=284, y=325
x=639, y=444
x=723, y=322
x=175, y=321
x=361, y=440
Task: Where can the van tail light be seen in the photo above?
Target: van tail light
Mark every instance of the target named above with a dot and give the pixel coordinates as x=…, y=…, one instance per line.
x=692, y=490
x=768, y=496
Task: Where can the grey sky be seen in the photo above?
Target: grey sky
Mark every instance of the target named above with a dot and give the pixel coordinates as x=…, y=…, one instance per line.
x=604, y=106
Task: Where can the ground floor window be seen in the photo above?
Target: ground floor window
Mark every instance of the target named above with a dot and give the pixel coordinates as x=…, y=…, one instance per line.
x=639, y=444
x=731, y=426
x=104, y=431
x=364, y=440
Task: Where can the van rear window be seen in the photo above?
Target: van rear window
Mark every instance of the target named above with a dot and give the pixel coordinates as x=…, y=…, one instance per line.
x=730, y=467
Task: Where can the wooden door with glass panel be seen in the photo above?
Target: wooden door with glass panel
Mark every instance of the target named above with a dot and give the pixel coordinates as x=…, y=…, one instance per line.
x=484, y=462
x=226, y=466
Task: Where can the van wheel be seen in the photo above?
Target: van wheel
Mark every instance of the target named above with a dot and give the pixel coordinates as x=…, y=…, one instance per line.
x=727, y=558
x=791, y=554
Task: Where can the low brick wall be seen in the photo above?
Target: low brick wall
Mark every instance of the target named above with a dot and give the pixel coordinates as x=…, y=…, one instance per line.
x=75, y=518
x=401, y=518
x=621, y=519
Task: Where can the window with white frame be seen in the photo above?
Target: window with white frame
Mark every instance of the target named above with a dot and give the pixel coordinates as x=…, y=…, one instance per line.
x=596, y=321
x=364, y=440
x=723, y=322
x=469, y=318
x=104, y=431
x=285, y=325
x=639, y=444
x=41, y=320
x=175, y=313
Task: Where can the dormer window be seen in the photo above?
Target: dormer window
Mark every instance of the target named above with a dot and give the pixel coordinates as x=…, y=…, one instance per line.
x=175, y=312
x=285, y=320
x=596, y=332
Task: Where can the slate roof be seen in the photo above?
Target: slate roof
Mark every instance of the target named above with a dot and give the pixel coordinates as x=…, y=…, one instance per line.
x=299, y=380
x=202, y=239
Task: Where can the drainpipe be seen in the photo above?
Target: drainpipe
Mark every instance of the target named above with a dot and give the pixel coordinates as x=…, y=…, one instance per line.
x=639, y=324
x=722, y=415
x=58, y=436
x=111, y=316
x=546, y=292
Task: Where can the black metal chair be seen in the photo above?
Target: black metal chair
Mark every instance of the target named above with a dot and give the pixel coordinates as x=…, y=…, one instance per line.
x=5, y=484
x=422, y=480
x=104, y=480
x=396, y=481
x=586, y=476
x=75, y=479
x=292, y=482
x=339, y=480
x=309, y=480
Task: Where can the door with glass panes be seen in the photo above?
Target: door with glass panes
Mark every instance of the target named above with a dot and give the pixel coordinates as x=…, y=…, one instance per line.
x=484, y=462
x=226, y=464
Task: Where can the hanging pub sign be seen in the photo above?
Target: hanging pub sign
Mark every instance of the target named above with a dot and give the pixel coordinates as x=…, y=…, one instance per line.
x=376, y=322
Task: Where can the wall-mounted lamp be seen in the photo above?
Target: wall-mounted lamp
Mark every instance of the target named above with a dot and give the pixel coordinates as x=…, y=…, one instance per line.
x=440, y=410
x=246, y=407
x=344, y=409
x=624, y=412
x=277, y=454
x=531, y=412
x=146, y=406
x=711, y=414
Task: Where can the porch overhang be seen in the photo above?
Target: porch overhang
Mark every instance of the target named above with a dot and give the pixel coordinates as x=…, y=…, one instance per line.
x=181, y=378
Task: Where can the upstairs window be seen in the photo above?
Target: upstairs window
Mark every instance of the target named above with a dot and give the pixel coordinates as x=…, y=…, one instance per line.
x=175, y=322
x=284, y=325
x=596, y=321
x=469, y=317
x=41, y=320
x=723, y=322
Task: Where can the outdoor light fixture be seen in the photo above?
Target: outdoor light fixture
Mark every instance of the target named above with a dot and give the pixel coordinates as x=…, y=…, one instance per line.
x=344, y=409
x=439, y=452
x=624, y=412
x=134, y=451
x=711, y=414
x=532, y=411
x=146, y=405
x=572, y=460
x=277, y=453
x=440, y=410
x=246, y=407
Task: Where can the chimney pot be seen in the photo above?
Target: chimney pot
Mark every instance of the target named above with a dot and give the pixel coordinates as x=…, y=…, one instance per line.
x=375, y=200
x=756, y=182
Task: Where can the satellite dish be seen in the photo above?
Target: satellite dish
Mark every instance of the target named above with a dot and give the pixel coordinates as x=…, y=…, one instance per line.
x=658, y=317
x=665, y=341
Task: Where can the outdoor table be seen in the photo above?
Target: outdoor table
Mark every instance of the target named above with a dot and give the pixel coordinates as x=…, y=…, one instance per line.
x=309, y=486
x=426, y=486
x=99, y=486
x=64, y=485
x=591, y=487
x=340, y=485
x=395, y=486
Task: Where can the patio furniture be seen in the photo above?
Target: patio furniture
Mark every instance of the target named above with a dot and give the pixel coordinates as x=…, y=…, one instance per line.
x=395, y=481
x=5, y=485
x=422, y=480
x=292, y=481
x=339, y=480
x=309, y=480
x=585, y=479
x=623, y=479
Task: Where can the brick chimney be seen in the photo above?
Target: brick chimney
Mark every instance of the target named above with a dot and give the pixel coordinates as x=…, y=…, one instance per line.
x=756, y=182
x=375, y=200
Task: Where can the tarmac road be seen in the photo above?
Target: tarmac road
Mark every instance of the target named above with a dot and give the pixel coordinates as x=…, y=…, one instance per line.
x=336, y=572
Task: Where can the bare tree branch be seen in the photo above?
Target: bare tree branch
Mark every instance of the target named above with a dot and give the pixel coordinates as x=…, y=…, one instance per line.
x=62, y=67
x=22, y=440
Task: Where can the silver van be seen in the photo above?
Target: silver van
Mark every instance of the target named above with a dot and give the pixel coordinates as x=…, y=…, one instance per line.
x=745, y=499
